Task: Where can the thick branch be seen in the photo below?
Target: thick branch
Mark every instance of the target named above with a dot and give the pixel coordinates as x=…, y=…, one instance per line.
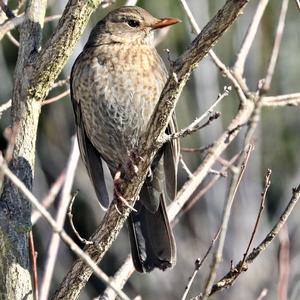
x=50, y=61
x=35, y=73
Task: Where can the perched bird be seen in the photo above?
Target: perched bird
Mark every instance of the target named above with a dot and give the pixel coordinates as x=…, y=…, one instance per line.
x=115, y=84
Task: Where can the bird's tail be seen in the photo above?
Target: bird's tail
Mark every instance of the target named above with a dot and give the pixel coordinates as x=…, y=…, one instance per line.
x=151, y=238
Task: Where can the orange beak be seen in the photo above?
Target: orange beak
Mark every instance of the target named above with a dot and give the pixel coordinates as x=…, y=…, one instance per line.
x=165, y=22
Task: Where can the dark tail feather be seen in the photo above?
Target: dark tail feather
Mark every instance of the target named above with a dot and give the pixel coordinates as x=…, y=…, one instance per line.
x=151, y=238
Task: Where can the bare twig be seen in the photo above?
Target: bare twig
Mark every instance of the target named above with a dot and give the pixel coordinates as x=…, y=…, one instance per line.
x=185, y=167
x=261, y=208
x=119, y=279
x=224, y=224
x=12, y=39
x=198, y=264
x=70, y=215
x=283, y=259
x=56, y=98
x=195, y=27
x=239, y=65
x=232, y=275
x=282, y=100
x=193, y=150
x=263, y=294
x=60, y=219
x=216, y=172
x=52, y=18
x=33, y=255
x=241, y=89
x=56, y=228
x=298, y=4
x=193, y=127
x=5, y=107
x=60, y=83
x=193, y=200
x=49, y=199
x=11, y=24
x=277, y=42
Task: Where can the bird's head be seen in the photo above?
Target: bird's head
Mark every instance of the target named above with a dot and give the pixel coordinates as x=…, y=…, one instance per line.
x=128, y=25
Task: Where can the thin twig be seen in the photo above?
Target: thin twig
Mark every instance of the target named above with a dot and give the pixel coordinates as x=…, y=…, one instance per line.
x=198, y=264
x=70, y=215
x=56, y=228
x=12, y=39
x=261, y=208
x=119, y=279
x=52, y=18
x=193, y=127
x=239, y=65
x=60, y=83
x=195, y=27
x=283, y=259
x=263, y=294
x=281, y=100
x=49, y=199
x=33, y=255
x=277, y=43
x=224, y=224
x=11, y=24
x=216, y=172
x=60, y=219
x=241, y=89
x=193, y=200
x=5, y=107
x=298, y=4
x=56, y=98
x=193, y=150
x=232, y=275
x=185, y=167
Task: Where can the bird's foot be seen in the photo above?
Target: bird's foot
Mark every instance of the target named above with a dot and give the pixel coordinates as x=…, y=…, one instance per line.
x=117, y=192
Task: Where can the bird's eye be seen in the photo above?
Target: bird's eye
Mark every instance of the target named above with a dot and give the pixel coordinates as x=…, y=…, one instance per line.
x=133, y=23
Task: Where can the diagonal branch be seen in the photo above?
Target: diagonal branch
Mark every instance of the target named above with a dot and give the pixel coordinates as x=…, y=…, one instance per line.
x=249, y=37
x=50, y=61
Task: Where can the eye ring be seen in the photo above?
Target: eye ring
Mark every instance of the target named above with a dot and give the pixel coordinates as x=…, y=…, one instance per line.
x=133, y=23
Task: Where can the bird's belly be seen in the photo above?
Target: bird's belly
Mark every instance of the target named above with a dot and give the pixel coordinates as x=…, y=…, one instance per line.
x=120, y=102
x=120, y=116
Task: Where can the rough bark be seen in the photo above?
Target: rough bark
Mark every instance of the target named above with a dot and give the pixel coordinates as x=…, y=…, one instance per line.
x=35, y=72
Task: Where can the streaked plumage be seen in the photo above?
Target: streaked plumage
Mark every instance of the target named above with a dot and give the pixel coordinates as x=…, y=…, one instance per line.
x=115, y=84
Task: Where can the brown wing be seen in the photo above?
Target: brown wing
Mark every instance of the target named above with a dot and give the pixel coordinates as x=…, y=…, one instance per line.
x=90, y=156
x=171, y=157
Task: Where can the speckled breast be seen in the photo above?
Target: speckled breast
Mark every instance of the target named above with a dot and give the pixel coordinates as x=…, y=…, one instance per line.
x=118, y=87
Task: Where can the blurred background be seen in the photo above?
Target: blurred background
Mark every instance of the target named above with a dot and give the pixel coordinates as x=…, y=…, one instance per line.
x=277, y=143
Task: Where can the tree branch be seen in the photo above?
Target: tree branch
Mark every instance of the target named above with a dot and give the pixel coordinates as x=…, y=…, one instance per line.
x=232, y=275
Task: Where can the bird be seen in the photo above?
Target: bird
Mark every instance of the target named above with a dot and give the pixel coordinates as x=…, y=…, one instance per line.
x=116, y=82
